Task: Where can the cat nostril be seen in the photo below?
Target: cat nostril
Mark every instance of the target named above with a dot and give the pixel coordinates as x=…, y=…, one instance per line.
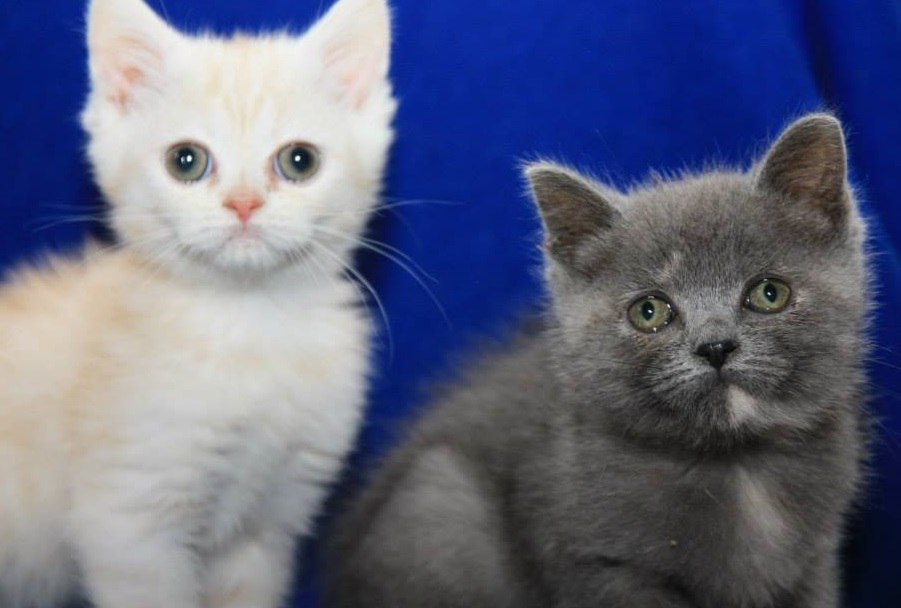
x=716, y=352
x=243, y=206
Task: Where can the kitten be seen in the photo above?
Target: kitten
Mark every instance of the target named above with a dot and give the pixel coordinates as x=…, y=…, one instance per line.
x=687, y=430
x=173, y=411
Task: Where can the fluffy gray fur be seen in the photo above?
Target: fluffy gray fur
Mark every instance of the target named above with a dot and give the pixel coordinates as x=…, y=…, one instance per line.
x=590, y=464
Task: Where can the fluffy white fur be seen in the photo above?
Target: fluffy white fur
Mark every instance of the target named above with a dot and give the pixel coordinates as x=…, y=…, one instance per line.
x=173, y=411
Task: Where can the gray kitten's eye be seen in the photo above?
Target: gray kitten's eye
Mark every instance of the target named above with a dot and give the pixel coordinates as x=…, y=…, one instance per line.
x=651, y=314
x=188, y=162
x=768, y=296
x=297, y=162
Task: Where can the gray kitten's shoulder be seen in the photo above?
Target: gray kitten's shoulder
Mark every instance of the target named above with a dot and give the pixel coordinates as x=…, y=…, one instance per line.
x=443, y=492
x=499, y=400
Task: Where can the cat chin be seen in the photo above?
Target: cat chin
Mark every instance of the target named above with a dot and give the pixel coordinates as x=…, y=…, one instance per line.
x=741, y=407
x=250, y=261
x=750, y=409
x=244, y=264
x=731, y=378
x=727, y=399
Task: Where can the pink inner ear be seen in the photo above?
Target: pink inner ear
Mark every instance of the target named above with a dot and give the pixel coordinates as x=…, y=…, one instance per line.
x=127, y=65
x=124, y=83
x=353, y=72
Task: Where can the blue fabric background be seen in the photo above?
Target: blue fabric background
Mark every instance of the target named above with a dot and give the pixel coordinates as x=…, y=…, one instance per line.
x=618, y=86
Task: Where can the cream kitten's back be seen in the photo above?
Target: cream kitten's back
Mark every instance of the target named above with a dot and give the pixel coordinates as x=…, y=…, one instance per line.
x=48, y=320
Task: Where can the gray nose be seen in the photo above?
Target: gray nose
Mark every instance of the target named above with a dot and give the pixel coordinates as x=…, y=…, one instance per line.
x=716, y=352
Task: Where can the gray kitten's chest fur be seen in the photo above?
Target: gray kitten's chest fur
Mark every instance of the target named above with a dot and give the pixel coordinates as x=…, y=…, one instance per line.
x=721, y=530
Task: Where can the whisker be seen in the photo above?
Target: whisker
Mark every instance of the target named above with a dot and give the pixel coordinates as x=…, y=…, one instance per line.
x=883, y=363
x=313, y=265
x=73, y=206
x=407, y=202
x=51, y=222
x=155, y=261
x=375, y=296
x=390, y=206
x=381, y=248
x=406, y=223
x=393, y=255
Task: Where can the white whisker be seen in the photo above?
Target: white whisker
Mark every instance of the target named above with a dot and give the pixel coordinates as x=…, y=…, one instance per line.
x=362, y=280
x=394, y=255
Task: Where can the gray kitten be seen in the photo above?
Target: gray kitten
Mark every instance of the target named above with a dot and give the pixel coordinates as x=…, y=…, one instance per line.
x=687, y=429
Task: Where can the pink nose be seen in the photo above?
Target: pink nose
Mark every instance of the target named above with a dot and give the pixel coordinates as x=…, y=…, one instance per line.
x=244, y=205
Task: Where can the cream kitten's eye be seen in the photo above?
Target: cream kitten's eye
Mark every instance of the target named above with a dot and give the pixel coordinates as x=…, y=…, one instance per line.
x=188, y=162
x=297, y=162
x=768, y=296
x=651, y=314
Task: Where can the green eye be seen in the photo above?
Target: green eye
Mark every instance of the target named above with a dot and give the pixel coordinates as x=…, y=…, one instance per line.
x=768, y=296
x=651, y=314
x=188, y=162
x=297, y=162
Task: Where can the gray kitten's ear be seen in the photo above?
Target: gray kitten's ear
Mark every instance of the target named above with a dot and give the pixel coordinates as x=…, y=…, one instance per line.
x=808, y=164
x=573, y=208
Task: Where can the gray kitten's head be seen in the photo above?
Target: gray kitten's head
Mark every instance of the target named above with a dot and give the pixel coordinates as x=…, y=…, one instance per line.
x=715, y=309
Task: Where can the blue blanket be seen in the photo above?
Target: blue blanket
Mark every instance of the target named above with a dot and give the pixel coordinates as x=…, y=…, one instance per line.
x=618, y=86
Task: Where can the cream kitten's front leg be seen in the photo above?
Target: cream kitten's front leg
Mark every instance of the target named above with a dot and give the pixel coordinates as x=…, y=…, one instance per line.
x=128, y=564
x=252, y=572
x=133, y=533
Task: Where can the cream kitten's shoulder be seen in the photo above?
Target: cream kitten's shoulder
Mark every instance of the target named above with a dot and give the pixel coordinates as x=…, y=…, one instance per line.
x=43, y=303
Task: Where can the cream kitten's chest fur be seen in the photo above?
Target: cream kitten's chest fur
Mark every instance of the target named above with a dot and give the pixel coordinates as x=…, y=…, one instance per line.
x=254, y=397
x=210, y=413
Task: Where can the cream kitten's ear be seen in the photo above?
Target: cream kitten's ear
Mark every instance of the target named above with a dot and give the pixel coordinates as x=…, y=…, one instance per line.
x=128, y=45
x=354, y=41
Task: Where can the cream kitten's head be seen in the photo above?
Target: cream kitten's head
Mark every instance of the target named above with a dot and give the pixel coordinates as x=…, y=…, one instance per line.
x=239, y=157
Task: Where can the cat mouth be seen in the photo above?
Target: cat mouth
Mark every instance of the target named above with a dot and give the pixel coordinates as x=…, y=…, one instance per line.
x=716, y=382
x=245, y=233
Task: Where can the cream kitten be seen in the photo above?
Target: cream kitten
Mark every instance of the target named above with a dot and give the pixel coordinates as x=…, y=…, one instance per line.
x=173, y=412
